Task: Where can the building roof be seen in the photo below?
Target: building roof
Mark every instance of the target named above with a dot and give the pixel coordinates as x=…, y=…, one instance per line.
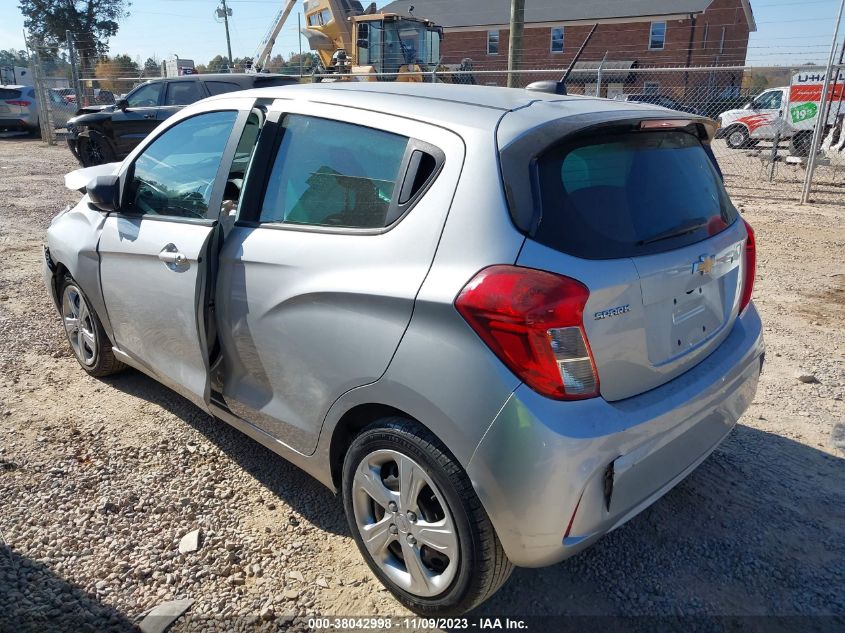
x=468, y=13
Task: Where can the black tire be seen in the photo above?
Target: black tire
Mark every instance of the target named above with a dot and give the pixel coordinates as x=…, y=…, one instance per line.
x=737, y=137
x=35, y=132
x=483, y=566
x=800, y=143
x=103, y=362
x=95, y=150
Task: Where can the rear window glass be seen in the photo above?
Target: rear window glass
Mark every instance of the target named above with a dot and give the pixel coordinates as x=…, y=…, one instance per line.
x=630, y=194
x=9, y=93
x=183, y=93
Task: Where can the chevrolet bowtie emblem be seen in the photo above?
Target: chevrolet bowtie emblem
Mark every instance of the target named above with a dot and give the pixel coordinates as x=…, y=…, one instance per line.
x=704, y=265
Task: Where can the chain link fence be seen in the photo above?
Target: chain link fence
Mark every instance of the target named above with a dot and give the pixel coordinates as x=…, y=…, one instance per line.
x=766, y=115
x=766, y=119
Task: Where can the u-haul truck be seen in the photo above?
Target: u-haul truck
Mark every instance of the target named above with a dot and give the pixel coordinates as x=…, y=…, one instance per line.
x=791, y=111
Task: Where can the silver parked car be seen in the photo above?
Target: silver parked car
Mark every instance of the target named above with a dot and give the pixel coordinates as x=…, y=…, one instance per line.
x=19, y=109
x=499, y=323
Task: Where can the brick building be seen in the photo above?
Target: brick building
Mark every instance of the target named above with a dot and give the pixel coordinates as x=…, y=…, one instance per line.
x=631, y=33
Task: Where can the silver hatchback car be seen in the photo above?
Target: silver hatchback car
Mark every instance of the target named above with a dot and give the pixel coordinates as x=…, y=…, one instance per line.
x=500, y=323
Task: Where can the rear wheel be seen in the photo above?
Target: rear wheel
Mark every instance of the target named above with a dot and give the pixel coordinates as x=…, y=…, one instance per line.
x=737, y=137
x=418, y=522
x=95, y=150
x=799, y=144
x=88, y=341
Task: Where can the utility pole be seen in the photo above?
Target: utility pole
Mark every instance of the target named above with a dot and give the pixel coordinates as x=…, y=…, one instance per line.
x=822, y=121
x=74, y=70
x=299, y=30
x=517, y=27
x=224, y=13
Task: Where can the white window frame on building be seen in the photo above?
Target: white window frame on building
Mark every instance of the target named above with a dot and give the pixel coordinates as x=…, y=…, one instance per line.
x=557, y=40
x=651, y=36
x=491, y=34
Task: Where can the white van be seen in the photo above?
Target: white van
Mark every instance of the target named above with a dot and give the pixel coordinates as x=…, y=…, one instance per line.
x=790, y=110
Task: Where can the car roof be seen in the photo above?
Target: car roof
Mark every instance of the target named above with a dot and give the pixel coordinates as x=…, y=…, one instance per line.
x=448, y=105
x=15, y=86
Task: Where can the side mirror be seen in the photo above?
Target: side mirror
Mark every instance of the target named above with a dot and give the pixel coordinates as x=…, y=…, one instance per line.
x=104, y=193
x=122, y=104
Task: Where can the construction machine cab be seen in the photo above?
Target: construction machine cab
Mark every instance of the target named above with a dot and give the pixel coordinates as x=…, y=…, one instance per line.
x=387, y=42
x=351, y=40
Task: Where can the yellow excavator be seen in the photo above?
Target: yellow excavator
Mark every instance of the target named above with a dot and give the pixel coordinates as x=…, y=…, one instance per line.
x=362, y=44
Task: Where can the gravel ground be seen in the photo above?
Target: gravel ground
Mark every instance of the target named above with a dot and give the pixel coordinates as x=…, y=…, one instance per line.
x=101, y=479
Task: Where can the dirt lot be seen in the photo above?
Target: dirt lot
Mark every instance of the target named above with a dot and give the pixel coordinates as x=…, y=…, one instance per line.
x=99, y=479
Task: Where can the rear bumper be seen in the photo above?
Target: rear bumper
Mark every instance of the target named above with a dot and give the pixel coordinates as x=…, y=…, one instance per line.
x=17, y=122
x=555, y=476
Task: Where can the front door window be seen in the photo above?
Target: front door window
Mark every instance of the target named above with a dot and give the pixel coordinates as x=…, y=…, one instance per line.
x=175, y=174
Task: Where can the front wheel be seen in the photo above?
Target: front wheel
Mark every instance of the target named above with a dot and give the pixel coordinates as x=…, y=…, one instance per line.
x=737, y=137
x=95, y=150
x=88, y=341
x=418, y=522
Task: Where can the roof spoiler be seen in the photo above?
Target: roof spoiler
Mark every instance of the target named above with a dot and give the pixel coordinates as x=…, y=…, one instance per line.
x=559, y=87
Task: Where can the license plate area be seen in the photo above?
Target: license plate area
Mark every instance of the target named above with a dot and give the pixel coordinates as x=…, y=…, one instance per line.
x=685, y=319
x=697, y=314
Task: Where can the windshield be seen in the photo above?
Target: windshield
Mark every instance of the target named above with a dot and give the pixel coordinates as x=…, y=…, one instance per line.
x=630, y=194
x=389, y=45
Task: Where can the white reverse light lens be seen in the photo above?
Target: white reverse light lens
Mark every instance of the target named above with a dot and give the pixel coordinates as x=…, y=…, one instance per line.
x=573, y=360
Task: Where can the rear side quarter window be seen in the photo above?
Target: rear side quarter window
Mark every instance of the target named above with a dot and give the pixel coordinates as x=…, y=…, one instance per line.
x=334, y=174
x=220, y=87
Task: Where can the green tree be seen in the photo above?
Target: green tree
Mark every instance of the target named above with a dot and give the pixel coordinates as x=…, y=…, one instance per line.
x=91, y=23
x=12, y=57
x=152, y=67
x=309, y=62
x=218, y=63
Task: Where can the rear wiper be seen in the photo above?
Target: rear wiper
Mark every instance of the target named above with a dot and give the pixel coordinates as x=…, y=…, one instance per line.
x=676, y=232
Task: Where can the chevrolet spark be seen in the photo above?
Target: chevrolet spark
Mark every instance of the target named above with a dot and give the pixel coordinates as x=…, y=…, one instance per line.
x=499, y=323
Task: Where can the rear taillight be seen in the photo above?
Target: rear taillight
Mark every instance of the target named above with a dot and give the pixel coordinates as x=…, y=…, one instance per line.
x=750, y=268
x=23, y=104
x=533, y=321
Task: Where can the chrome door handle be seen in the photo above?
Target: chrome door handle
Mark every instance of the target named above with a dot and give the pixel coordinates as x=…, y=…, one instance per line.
x=149, y=116
x=173, y=257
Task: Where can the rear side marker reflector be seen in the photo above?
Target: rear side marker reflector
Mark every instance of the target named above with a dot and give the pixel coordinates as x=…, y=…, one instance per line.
x=532, y=320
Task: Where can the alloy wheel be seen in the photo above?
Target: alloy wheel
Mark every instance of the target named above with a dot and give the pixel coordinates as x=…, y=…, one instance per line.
x=736, y=139
x=79, y=325
x=404, y=523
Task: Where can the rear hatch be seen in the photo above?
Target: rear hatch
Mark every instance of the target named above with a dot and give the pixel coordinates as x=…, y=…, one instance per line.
x=10, y=103
x=638, y=213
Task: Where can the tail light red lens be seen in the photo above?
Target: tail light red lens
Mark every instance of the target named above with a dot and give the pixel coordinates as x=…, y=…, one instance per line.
x=533, y=321
x=23, y=104
x=750, y=268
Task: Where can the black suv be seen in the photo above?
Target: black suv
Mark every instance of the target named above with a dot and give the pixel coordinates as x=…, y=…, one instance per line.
x=107, y=134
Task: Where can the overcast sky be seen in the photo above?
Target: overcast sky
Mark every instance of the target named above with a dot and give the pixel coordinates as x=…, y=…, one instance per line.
x=788, y=32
